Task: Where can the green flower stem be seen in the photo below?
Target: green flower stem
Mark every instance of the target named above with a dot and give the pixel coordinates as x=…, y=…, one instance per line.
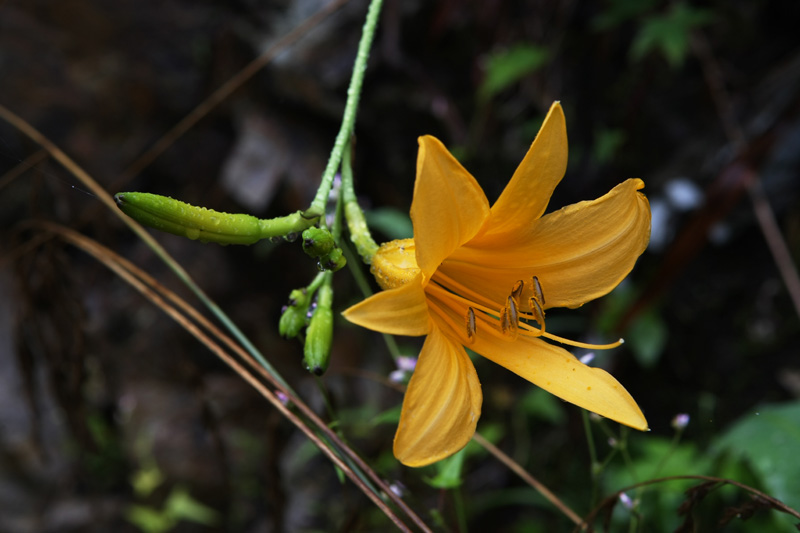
x=595, y=464
x=315, y=283
x=356, y=224
x=673, y=446
x=317, y=207
x=336, y=230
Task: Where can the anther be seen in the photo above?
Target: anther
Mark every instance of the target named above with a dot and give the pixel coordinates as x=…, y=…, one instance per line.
x=536, y=310
x=472, y=327
x=509, y=319
x=516, y=291
x=537, y=291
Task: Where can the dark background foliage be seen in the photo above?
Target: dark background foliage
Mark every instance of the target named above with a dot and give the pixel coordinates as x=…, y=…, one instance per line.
x=98, y=389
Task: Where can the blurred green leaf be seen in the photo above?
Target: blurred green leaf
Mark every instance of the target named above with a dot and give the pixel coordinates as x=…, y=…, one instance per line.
x=669, y=33
x=146, y=479
x=449, y=469
x=179, y=506
x=182, y=506
x=491, y=431
x=448, y=474
x=607, y=142
x=647, y=338
x=614, y=306
x=393, y=223
x=543, y=405
x=107, y=461
x=655, y=457
x=148, y=519
x=506, y=67
x=769, y=438
x=619, y=11
x=390, y=416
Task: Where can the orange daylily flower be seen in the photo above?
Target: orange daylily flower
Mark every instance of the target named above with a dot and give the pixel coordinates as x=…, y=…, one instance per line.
x=481, y=277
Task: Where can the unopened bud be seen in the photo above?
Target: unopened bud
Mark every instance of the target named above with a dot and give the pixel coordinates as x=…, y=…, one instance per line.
x=333, y=261
x=319, y=335
x=317, y=242
x=293, y=318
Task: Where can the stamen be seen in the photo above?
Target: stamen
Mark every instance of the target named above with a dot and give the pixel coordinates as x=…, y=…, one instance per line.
x=443, y=314
x=516, y=291
x=434, y=287
x=509, y=319
x=453, y=297
x=536, y=309
x=586, y=345
x=472, y=327
x=537, y=291
x=467, y=294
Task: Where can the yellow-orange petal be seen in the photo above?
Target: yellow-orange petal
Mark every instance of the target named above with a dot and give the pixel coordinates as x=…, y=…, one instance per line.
x=442, y=404
x=560, y=373
x=400, y=311
x=526, y=196
x=579, y=253
x=449, y=206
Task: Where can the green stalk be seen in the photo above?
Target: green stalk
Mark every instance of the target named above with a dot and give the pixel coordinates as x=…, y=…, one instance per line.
x=317, y=207
x=356, y=223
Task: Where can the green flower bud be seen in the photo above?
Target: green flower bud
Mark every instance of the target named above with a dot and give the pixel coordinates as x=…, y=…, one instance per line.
x=293, y=317
x=317, y=242
x=333, y=261
x=319, y=335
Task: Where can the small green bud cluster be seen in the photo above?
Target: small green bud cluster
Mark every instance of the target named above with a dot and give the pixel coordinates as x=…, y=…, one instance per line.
x=293, y=316
x=319, y=244
x=315, y=314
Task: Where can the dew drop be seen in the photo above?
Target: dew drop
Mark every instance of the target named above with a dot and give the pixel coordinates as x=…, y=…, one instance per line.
x=193, y=233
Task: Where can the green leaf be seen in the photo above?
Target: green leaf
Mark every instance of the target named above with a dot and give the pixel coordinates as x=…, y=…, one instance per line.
x=181, y=506
x=619, y=11
x=607, y=142
x=148, y=519
x=390, y=416
x=769, y=439
x=654, y=457
x=506, y=67
x=393, y=223
x=448, y=471
x=669, y=33
x=146, y=479
x=647, y=338
x=543, y=405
